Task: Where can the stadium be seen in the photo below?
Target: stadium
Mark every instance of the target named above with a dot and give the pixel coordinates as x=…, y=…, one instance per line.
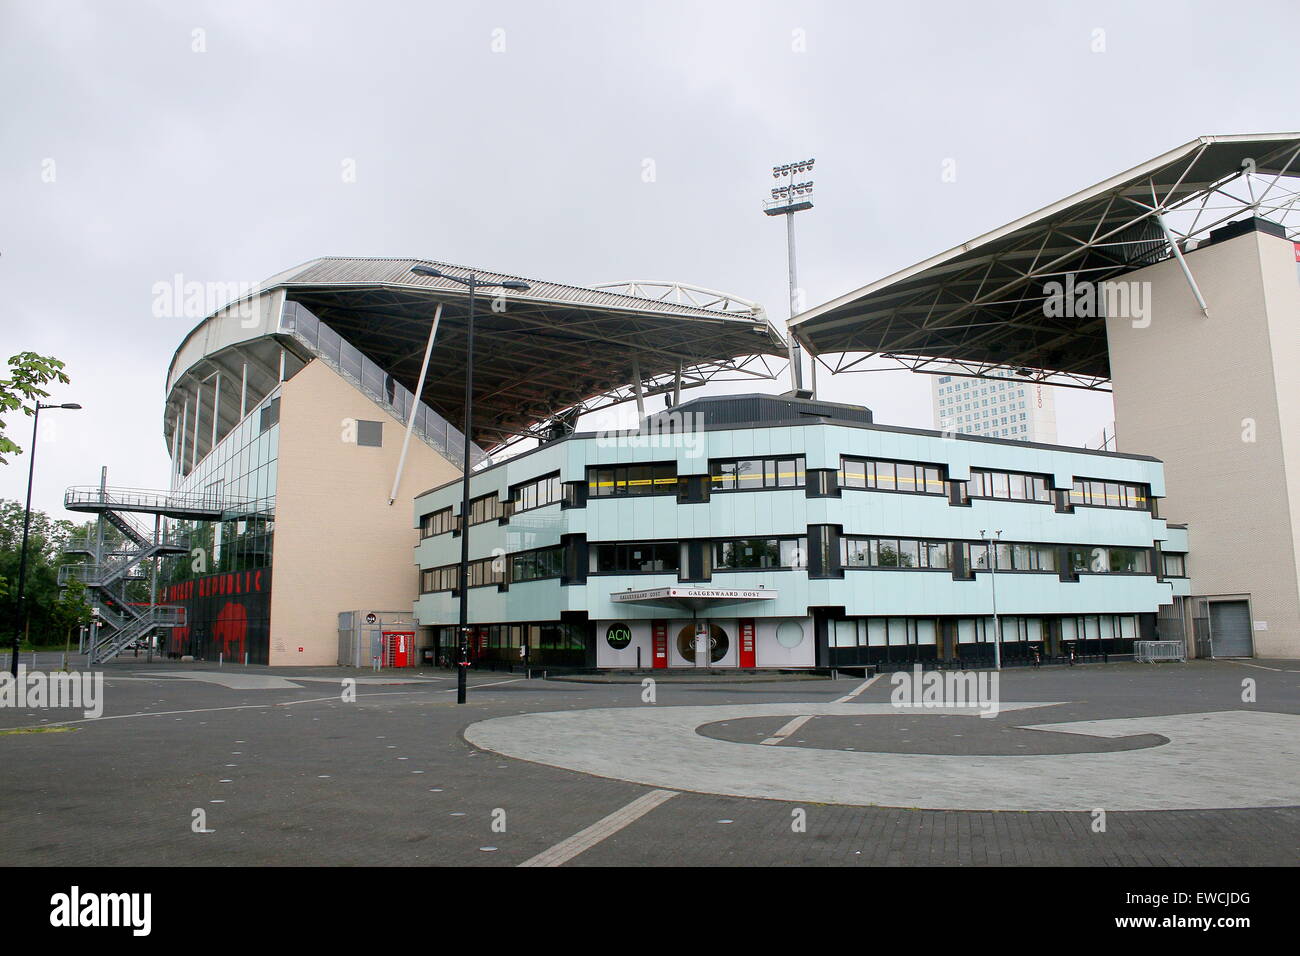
x=302, y=526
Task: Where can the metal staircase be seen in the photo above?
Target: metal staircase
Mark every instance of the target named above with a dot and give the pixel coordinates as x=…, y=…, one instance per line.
x=109, y=566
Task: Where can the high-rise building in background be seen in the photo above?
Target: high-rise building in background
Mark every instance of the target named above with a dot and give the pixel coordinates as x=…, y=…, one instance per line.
x=1000, y=405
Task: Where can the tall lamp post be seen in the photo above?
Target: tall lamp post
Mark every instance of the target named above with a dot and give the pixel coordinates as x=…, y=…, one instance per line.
x=472, y=283
x=27, y=524
x=787, y=199
x=991, y=542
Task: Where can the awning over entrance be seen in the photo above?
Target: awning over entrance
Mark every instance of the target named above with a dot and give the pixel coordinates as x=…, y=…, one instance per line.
x=693, y=598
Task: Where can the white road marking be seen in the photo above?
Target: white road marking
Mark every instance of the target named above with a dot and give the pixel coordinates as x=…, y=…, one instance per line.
x=1279, y=670
x=584, y=840
x=787, y=730
x=1237, y=758
x=492, y=684
x=858, y=690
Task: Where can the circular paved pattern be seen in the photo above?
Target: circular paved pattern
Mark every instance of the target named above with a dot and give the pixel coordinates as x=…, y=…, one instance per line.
x=1227, y=759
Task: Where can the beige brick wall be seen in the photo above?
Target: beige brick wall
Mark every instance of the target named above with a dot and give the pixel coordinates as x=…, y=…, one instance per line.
x=339, y=546
x=1185, y=388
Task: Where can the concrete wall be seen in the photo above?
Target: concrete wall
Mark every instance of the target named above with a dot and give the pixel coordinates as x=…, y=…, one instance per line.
x=339, y=546
x=1191, y=390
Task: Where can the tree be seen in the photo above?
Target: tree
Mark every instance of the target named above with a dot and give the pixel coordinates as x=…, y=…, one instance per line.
x=72, y=609
x=27, y=373
x=44, y=554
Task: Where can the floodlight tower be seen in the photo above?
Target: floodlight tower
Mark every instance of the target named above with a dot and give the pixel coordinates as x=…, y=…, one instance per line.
x=788, y=198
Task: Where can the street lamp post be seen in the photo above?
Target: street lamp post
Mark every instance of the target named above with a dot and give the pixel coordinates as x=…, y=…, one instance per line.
x=462, y=573
x=991, y=542
x=27, y=524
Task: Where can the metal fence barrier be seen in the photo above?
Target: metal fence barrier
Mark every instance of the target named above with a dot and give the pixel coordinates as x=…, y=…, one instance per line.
x=1151, y=652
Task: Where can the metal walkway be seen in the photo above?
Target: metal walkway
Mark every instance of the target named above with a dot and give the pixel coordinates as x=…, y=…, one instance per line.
x=108, y=566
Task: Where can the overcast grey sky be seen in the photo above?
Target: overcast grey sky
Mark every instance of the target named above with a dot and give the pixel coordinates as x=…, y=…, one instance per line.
x=226, y=165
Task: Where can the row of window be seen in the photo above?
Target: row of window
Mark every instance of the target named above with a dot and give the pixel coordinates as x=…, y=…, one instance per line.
x=532, y=565
x=651, y=557
x=1109, y=494
x=1007, y=485
x=612, y=480
x=743, y=474
x=891, y=476
x=863, y=552
x=920, y=631
x=858, y=552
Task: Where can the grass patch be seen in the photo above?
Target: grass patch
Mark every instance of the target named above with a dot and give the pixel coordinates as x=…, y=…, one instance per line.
x=48, y=729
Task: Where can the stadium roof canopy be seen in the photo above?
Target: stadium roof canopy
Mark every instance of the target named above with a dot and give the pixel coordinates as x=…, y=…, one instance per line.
x=552, y=350
x=979, y=307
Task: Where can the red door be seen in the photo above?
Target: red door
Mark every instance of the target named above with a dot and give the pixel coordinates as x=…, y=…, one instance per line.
x=401, y=647
x=747, y=656
x=659, y=643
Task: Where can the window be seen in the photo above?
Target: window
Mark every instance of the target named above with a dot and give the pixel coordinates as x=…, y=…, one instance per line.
x=1099, y=627
x=1012, y=556
x=749, y=553
x=487, y=571
x=745, y=474
x=370, y=434
x=536, y=493
x=538, y=564
x=1085, y=559
x=438, y=579
x=269, y=415
x=893, y=553
x=636, y=558
x=437, y=523
x=891, y=476
x=611, y=480
x=1008, y=486
x=1175, y=565
x=485, y=508
x=1109, y=494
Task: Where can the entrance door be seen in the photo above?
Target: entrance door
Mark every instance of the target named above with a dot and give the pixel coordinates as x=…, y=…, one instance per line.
x=1230, y=629
x=747, y=655
x=659, y=643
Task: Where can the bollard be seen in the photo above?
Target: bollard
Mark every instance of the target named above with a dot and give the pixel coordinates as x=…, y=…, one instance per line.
x=221, y=658
x=245, y=658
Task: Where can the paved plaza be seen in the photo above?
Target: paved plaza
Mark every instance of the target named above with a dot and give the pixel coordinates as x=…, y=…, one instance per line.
x=194, y=764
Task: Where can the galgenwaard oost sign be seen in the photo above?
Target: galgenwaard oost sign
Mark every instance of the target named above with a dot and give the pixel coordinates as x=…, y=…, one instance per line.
x=733, y=594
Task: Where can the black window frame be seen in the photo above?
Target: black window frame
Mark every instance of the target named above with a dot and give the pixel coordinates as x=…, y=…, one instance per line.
x=717, y=544
x=922, y=551
x=662, y=480
x=1095, y=493
x=769, y=466
x=549, y=482
x=426, y=531
x=1039, y=481
x=596, y=549
x=497, y=509
x=537, y=556
x=873, y=471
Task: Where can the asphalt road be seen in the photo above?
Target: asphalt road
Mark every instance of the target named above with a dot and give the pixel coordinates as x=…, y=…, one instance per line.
x=191, y=765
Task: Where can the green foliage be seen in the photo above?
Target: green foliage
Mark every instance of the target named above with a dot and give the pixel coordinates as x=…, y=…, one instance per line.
x=73, y=607
x=28, y=372
x=44, y=550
